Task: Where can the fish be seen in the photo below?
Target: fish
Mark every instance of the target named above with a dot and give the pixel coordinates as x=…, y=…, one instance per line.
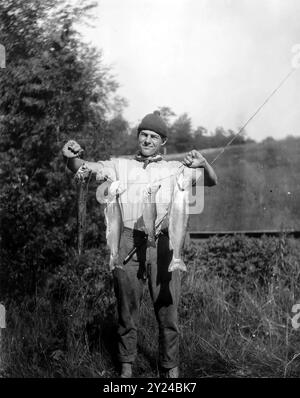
x=82, y=178
x=114, y=223
x=178, y=218
x=149, y=211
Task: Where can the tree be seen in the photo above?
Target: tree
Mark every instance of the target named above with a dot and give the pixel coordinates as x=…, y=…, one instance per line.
x=118, y=127
x=220, y=138
x=181, y=139
x=53, y=88
x=201, y=139
x=119, y=132
x=166, y=114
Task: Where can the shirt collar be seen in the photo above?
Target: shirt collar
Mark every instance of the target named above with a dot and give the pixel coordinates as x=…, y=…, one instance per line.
x=147, y=159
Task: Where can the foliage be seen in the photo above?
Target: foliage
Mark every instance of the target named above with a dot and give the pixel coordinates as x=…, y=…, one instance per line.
x=234, y=316
x=55, y=332
x=54, y=88
x=235, y=309
x=182, y=136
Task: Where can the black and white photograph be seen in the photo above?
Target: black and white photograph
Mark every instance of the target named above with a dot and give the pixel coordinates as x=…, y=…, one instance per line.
x=150, y=191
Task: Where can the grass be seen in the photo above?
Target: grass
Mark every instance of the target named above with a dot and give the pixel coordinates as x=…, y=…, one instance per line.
x=258, y=188
x=235, y=317
x=239, y=326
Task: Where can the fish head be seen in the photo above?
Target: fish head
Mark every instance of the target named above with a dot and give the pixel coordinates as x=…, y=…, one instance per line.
x=108, y=191
x=185, y=178
x=106, y=173
x=102, y=192
x=116, y=188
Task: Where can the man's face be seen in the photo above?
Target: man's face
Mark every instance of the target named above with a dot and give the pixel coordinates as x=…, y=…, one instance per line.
x=150, y=142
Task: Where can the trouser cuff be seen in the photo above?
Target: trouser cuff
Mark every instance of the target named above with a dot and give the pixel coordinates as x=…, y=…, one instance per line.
x=126, y=358
x=168, y=365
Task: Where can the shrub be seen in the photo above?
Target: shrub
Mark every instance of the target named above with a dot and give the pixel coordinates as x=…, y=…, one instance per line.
x=235, y=315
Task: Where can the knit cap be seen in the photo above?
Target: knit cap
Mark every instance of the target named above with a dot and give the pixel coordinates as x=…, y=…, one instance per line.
x=154, y=122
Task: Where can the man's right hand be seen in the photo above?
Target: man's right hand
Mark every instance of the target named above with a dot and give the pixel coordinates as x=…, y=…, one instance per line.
x=72, y=149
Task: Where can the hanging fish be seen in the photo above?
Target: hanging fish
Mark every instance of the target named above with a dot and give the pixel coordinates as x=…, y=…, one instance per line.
x=149, y=211
x=82, y=178
x=178, y=217
x=114, y=223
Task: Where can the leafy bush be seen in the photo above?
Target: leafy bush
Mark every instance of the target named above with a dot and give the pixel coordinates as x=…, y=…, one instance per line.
x=236, y=307
x=235, y=319
x=54, y=332
x=235, y=310
x=54, y=88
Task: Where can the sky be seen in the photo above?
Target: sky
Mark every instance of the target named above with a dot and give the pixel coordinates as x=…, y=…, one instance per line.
x=217, y=60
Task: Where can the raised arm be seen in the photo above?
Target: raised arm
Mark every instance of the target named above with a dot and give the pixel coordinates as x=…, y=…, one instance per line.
x=71, y=152
x=195, y=160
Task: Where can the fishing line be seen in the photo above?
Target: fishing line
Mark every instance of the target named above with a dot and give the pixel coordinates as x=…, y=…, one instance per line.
x=245, y=124
x=242, y=128
x=255, y=113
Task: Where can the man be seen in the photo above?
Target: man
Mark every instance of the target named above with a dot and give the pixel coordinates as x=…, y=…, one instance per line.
x=149, y=263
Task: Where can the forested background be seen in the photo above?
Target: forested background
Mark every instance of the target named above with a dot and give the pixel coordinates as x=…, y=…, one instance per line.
x=61, y=309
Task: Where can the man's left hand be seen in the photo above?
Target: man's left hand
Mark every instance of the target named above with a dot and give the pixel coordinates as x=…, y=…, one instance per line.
x=194, y=159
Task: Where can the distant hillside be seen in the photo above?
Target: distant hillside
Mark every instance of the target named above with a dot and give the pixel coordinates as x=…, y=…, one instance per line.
x=258, y=188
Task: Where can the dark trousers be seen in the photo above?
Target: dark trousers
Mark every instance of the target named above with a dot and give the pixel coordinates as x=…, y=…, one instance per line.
x=148, y=264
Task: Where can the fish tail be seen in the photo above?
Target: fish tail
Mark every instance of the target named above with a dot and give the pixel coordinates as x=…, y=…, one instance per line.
x=114, y=262
x=177, y=263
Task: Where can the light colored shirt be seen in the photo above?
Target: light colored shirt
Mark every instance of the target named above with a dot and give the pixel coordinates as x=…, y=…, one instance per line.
x=134, y=179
